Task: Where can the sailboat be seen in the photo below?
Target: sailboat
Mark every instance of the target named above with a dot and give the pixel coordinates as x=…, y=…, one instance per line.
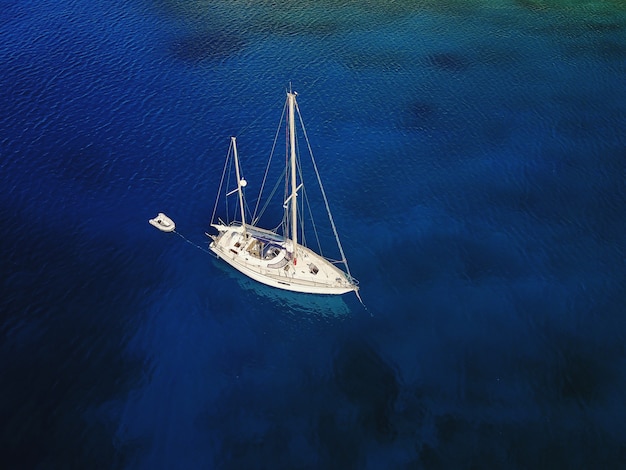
x=278, y=257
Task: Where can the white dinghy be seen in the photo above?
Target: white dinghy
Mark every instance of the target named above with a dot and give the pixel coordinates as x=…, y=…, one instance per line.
x=279, y=257
x=163, y=223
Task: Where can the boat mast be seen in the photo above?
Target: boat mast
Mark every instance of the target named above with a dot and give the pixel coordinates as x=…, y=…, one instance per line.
x=292, y=145
x=240, y=184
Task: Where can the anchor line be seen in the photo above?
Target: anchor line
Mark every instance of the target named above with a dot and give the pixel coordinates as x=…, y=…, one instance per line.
x=193, y=244
x=358, y=296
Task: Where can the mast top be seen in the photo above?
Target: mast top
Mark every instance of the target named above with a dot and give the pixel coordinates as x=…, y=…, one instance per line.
x=291, y=92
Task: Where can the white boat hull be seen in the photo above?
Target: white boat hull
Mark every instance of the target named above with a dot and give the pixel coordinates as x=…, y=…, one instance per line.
x=310, y=273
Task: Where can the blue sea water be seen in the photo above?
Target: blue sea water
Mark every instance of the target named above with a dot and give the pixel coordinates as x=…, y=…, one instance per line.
x=474, y=155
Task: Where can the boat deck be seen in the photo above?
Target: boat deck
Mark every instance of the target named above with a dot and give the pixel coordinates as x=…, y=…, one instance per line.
x=266, y=258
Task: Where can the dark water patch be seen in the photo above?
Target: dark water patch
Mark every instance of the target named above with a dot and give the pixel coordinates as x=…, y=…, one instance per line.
x=340, y=446
x=419, y=115
x=557, y=190
x=449, y=427
x=606, y=50
x=574, y=9
x=532, y=5
x=209, y=45
x=294, y=426
x=271, y=23
x=266, y=451
x=581, y=445
x=379, y=202
x=369, y=383
x=495, y=55
x=589, y=201
x=605, y=26
x=386, y=61
x=448, y=62
x=299, y=390
x=286, y=18
x=27, y=90
x=611, y=50
x=72, y=164
x=441, y=256
x=576, y=441
x=582, y=30
x=580, y=120
x=498, y=130
x=575, y=383
x=463, y=442
x=294, y=418
x=490, y=257
x=574, y=371
x=429, y=458
x=604, y=47
x=458, y=8
x=62, y=351
x=80, y=164
x=582, y=377
x=526, y=429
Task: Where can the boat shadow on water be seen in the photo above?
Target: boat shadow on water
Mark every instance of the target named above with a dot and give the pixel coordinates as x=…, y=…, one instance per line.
x=286, y=301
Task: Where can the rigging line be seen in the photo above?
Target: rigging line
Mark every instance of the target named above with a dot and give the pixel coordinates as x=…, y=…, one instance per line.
x=267, y=168
x=219, y=191
x=319, y=180
x=305, y=202
x=260, y=116
x=299, y=201
x=269, y=199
